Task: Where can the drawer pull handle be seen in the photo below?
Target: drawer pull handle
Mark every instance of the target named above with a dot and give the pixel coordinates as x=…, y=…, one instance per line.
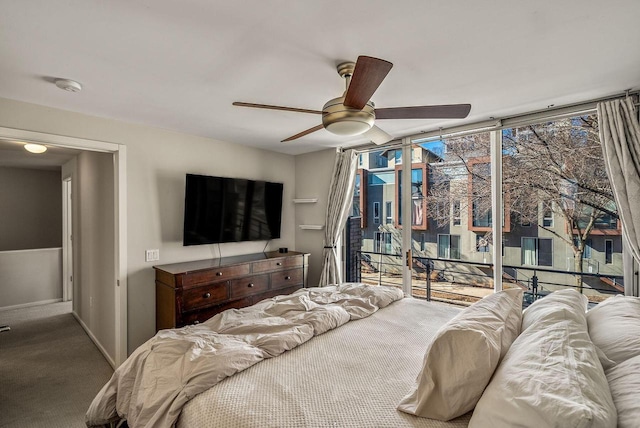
x=287, y=278
x=206, y=295
x=218, y=273
x=279, y=264
x=250, y=285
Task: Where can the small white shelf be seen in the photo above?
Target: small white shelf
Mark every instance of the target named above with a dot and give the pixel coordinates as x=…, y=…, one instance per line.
x=312, y=226
x=305, y=200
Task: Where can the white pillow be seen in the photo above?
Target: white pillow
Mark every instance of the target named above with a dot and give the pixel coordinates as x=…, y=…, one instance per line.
x=614, y=327
x=460, y=360
x=569, y=300
x=624, y=382
x=551, y=376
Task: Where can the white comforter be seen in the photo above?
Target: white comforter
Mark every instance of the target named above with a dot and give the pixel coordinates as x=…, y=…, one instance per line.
x=152, y=385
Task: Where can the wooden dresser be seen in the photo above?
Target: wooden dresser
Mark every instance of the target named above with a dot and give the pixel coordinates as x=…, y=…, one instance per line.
x=192, y=292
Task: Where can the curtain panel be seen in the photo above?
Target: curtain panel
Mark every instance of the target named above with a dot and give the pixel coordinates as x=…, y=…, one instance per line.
x=340, y=199
x=620, y=139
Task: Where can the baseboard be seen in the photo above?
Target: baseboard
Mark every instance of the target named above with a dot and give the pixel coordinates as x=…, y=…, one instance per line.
x=27, y=305
x=95, y=340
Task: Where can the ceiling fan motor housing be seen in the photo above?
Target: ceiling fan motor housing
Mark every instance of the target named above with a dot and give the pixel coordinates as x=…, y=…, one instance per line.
x=342, y=120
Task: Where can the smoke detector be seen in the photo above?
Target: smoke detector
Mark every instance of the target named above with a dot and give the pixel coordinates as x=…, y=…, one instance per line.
x=68, y=85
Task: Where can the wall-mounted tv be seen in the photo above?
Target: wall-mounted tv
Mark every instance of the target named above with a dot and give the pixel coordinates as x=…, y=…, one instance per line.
x=222, y=209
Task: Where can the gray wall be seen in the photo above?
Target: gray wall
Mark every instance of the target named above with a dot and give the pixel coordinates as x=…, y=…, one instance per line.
x=30, y=236
x=94, y=245
x=30, y=276
x=157, y=161
x=313, y=176
x=30, y=209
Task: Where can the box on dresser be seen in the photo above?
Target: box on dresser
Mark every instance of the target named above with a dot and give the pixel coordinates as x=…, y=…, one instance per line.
x=192, y=292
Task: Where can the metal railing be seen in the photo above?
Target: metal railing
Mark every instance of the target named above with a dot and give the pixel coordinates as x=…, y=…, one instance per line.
x=464, y=282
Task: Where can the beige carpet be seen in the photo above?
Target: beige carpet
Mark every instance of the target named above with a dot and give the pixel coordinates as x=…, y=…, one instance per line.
x=49, y=368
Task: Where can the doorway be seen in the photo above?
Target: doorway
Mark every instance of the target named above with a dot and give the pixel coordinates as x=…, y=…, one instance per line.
x=115, y=319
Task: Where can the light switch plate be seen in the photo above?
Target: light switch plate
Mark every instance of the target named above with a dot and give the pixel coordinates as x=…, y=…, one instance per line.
x=152, y=255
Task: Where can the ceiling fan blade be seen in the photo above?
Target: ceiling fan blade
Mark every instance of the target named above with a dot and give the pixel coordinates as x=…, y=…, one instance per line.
x=377, y=135
x=367, y=76
x=270, y=107
x=451, y=111
x=303, y=133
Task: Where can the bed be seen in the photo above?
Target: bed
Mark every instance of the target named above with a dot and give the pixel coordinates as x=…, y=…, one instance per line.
x=364, y=356
x=353, y=376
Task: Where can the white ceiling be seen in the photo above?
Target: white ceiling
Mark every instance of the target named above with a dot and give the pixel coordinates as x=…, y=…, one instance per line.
x=180, y=64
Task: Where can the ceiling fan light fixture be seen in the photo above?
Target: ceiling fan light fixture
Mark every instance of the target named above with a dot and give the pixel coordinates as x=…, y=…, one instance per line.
x=341, y=120
x=348, y=127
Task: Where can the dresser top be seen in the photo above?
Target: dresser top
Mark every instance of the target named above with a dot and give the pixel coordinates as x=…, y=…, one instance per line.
x=197, y=265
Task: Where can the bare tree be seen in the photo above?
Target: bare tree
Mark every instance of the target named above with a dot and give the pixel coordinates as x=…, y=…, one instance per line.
x=550, y=166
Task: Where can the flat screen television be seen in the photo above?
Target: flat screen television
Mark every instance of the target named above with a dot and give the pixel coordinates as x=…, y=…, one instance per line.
x=222, y=209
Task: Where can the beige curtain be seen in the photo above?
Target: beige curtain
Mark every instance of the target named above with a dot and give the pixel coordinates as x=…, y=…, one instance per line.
x=340, y=199
x=620, y=138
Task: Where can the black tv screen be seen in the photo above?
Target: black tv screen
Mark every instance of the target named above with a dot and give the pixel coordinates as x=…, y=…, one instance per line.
x=222, y=209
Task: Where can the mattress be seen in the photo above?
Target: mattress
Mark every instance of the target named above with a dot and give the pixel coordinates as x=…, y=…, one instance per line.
x=353, y=376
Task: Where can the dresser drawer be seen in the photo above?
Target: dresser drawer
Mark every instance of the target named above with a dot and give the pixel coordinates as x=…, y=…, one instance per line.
x=205, y=296
x=217, y=274
x=249, y=285
x=277, y=264
x=286, y=278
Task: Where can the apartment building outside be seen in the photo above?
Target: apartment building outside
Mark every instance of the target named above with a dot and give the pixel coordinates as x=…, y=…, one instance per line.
x=451, y=221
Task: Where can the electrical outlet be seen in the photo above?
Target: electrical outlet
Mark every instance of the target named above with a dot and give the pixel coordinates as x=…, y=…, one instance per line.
x=152, y=255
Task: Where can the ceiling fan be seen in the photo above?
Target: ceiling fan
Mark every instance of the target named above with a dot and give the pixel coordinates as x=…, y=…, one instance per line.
x=354, y=113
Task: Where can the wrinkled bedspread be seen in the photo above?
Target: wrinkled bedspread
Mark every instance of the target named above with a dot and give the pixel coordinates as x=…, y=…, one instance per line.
x=151, y=386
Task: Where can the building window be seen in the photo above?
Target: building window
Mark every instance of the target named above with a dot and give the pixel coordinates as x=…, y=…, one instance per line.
x=381, y=161
x=586, y=254
x=537, y=251
x=382, y=242
x=419, y=190
x=456, y=213
x=482, y=245
x=448, y=246
x=547, y=215
x=608, y=251
x=360, y=159
x=389, y=213
x=376, y=213
x=422, y=240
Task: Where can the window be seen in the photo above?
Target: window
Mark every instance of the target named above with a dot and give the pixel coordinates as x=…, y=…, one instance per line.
x=387, y=242
x=537, y=251
x=382, y=242
x=418, y=192
x=456, y=213
x=376, y=213
x=389, y=212
x=587, y=249
x=381, y=161
x=482, y=245
x=360, y=159
x=377, y=242
x=608, y=251
x=449, y=246
x=422, y=240
x=547, y=214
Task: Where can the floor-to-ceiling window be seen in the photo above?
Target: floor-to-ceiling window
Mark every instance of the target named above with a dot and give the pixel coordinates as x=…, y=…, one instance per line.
x=558, y=223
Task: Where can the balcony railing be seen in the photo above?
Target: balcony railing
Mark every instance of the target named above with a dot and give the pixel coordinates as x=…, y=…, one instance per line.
x=464, y=282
